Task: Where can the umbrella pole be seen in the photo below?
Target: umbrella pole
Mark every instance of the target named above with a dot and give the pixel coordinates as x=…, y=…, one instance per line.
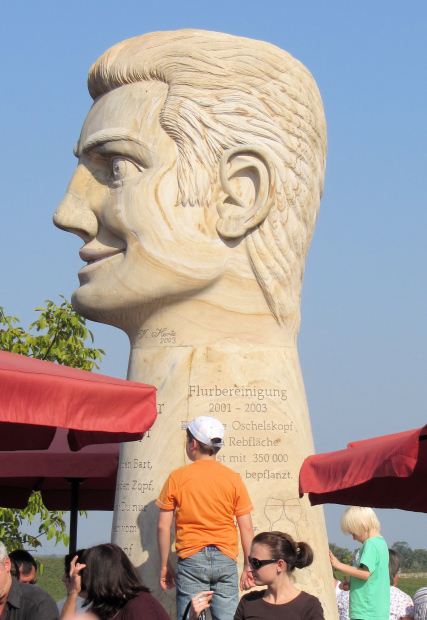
x=75, y=483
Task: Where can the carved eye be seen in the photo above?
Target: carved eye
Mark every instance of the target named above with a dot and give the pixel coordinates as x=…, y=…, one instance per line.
x=123, y=169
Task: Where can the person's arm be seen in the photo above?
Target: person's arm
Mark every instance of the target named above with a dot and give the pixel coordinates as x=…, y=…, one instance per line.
x=167, y=573
x=70, y=604
x=352, y=571
x=246, y=536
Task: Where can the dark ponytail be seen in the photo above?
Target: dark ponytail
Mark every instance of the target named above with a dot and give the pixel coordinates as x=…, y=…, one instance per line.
x=283, y=547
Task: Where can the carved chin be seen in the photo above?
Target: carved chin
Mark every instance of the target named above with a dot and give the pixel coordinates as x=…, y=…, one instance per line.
x=99, y=308
x=88, y=305
x=111, y=309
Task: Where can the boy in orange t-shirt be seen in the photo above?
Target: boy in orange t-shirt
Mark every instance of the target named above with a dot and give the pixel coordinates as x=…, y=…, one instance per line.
x=206, y=497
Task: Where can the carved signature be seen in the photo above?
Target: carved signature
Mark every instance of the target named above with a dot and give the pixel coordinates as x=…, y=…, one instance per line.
x=161, y=333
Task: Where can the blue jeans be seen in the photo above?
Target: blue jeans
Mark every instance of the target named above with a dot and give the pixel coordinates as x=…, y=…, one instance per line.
x=210, y=569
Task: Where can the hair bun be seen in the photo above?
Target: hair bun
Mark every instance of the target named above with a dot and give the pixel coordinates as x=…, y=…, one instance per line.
x=304, y=555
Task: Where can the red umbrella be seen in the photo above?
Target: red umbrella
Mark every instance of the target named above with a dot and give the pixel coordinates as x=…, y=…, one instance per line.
x=36, y=397
x=48, y=470
x=383, y=472
x=84, y=480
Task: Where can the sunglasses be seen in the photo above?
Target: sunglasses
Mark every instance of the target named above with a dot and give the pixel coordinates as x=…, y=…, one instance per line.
x=256, y=564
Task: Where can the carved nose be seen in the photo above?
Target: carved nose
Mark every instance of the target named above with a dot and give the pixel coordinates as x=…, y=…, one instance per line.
x=73, y=215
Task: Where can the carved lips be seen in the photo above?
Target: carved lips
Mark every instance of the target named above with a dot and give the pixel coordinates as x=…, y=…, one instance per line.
x=93, y=256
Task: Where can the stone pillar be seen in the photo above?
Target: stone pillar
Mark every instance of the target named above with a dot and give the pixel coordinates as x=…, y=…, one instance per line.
x=258, y=394
x=201, y=168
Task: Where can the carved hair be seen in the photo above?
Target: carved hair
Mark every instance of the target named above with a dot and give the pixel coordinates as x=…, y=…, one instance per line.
x=226, y=91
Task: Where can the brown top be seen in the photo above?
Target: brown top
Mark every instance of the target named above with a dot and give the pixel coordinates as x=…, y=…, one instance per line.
x=142, y=606
x=304, y=607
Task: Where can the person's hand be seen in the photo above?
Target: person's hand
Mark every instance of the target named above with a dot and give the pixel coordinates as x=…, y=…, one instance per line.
x=75, y=577
x=199, y=603
x=344, y=585
x=167, y=577
x=335, y=563
x=246, y=579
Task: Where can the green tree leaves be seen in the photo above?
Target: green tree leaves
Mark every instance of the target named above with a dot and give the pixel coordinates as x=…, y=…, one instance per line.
x=414, y=560
x=51, y=523
x=58, y=335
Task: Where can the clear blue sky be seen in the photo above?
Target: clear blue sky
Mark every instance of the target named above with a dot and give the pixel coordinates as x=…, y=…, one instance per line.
x=363, y=334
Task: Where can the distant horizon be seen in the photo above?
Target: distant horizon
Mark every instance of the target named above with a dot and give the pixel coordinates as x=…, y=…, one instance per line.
x=59, y=555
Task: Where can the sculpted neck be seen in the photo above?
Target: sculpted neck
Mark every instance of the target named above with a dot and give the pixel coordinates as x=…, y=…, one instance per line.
x=200, y=322
x=231, y=314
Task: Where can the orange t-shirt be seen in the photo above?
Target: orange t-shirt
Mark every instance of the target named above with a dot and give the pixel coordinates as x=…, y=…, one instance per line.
x=206, y=496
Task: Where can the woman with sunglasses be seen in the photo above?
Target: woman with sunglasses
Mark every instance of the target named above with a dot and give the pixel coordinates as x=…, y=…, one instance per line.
x=274, y=556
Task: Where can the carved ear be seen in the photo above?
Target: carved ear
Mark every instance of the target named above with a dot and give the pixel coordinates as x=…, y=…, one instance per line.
x=248, y=178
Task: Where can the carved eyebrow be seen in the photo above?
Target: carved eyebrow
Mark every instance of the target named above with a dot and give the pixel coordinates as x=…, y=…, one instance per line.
x=112, y=135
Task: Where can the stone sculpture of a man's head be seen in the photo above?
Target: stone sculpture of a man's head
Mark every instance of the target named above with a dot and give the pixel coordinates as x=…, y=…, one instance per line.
x=202, y=152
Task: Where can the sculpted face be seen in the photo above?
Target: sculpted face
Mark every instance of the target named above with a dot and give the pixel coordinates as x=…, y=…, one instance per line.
x=141, y=248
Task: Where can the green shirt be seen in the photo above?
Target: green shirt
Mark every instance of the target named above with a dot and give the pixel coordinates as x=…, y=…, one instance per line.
x=370, y=599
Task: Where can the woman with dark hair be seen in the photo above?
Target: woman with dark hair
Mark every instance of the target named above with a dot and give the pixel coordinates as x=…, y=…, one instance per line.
x=114, y=588
x=274, y=555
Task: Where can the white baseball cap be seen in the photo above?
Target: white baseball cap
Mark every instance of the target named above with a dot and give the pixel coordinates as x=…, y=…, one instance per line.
x=206, y=428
